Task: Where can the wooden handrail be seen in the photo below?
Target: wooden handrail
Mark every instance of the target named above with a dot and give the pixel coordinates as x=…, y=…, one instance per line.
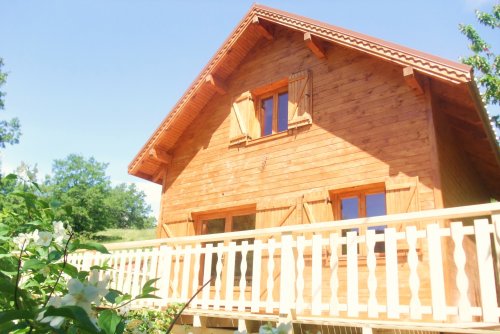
x=400, y=218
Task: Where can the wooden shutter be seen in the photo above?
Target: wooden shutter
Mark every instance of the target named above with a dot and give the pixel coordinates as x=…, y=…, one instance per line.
x=244, y=122
x=402, y=197
x=317, y=207
x=276, y=213
x=402, y=194
x=300, y=99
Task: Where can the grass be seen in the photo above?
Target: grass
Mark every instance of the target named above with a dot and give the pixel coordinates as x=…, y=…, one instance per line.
x=122, y=235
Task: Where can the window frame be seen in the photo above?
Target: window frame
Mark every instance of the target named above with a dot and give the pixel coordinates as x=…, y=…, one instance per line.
x=274, y=94
x=360, y=193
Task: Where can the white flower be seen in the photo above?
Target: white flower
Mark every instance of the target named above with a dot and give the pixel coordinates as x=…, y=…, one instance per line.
x=80, y=294
x=123, y=310
x=60, y=232
x=44, y=239
x=54, y=321
x=22, y=240
x=101, y=286
x=45, y=271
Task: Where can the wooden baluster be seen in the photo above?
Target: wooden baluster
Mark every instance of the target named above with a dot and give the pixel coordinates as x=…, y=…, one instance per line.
x=206, y=276
x=165, y=265
x=270, y=275
x=317, y=261
x=128, y=272
x=243, y=279
x=334, y=275
x=352, y=274
x=154, y=272
x=391, y=273
x=486, y=272
x=231, y=258
x=300, y=274
x=464, y=306
x=218, y=279
x=186, y=269
x=436, y=272
x=371, y=263
x=256, y=274
x=135, y=288
x=196, y=274
x=287, y=278
x=415, y=306
x=177, y=266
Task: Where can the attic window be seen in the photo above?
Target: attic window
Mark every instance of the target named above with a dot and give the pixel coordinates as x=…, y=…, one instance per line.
x=271, y=109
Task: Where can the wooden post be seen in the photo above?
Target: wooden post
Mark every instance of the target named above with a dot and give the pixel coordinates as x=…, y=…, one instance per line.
x=287, y=280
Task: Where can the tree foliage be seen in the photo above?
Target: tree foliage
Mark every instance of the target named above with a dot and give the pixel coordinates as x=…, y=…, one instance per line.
x=10, y=130
x=484, y=60
x=82, y=185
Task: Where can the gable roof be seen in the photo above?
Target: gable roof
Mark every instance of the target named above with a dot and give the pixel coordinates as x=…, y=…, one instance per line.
x=149, y=162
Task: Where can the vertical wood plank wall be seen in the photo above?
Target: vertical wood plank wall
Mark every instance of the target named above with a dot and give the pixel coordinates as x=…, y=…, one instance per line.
x=367, y=125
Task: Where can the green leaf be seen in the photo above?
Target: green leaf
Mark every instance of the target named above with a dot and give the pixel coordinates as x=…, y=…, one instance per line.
x=112, y=295
x=69, y=269
x=75, y=313
x=89, y=246
x=108, y=321
x=6, y=316
x=33, y=264
x=55, y=255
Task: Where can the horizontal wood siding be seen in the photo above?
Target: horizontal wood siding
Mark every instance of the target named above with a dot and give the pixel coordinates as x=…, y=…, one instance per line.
x=367, y=125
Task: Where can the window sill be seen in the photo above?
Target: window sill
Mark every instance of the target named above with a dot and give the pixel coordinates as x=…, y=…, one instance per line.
x=245, y=140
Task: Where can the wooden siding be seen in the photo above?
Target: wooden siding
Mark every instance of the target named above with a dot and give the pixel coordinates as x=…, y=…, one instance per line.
x=367, y=125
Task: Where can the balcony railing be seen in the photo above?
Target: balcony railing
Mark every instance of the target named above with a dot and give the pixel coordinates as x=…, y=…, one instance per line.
x=433, y=267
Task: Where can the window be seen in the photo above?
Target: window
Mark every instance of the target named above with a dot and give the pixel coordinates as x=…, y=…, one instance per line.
x=369, y=202
x=271, y=109
x=274, y=112
x=229, y=222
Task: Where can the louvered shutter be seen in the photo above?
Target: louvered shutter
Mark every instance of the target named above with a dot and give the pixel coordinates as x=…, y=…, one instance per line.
x=244, y=122
x=299, y=99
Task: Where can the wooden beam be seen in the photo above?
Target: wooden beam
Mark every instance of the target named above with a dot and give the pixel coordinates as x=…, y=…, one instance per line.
x=160, y=155
x=264, y=31
x=314, y=45
x=413, y=79
x=213, y=81
x=160, y=173
x=463, y=113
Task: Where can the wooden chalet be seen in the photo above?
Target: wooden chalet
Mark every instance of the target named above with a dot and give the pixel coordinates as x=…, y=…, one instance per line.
x=327, y=179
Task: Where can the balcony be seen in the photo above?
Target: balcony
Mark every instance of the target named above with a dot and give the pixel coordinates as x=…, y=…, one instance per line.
x=435, y=270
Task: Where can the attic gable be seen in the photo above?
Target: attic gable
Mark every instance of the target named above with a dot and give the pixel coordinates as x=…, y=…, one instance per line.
x=260, y=23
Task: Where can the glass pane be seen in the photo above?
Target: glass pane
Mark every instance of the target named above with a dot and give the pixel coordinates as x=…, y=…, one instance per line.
x=375, y=205
x=282, y=112
x=243, y=223
x=350, y=207
x=211, y=226
x=267, y=107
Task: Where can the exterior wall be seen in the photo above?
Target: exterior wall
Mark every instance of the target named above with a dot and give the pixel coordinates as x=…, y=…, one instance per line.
x=368, y=125
x=461, y=185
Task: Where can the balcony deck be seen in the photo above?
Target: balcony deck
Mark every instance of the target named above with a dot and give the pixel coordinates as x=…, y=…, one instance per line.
x=435, y=270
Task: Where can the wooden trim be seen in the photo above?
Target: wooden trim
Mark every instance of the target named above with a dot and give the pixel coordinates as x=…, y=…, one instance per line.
x=434, y=152
x=413, y=79
x=216, y=83
x=263, y=31
x=160, y=155
x=314, y=45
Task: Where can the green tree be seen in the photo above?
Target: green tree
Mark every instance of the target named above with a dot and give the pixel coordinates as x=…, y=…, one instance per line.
x=128, y=207
x=484, y=60
x=82, y=185
x=10, y=130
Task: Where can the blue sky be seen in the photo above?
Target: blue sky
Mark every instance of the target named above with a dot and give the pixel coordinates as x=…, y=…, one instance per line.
x=96, y=77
